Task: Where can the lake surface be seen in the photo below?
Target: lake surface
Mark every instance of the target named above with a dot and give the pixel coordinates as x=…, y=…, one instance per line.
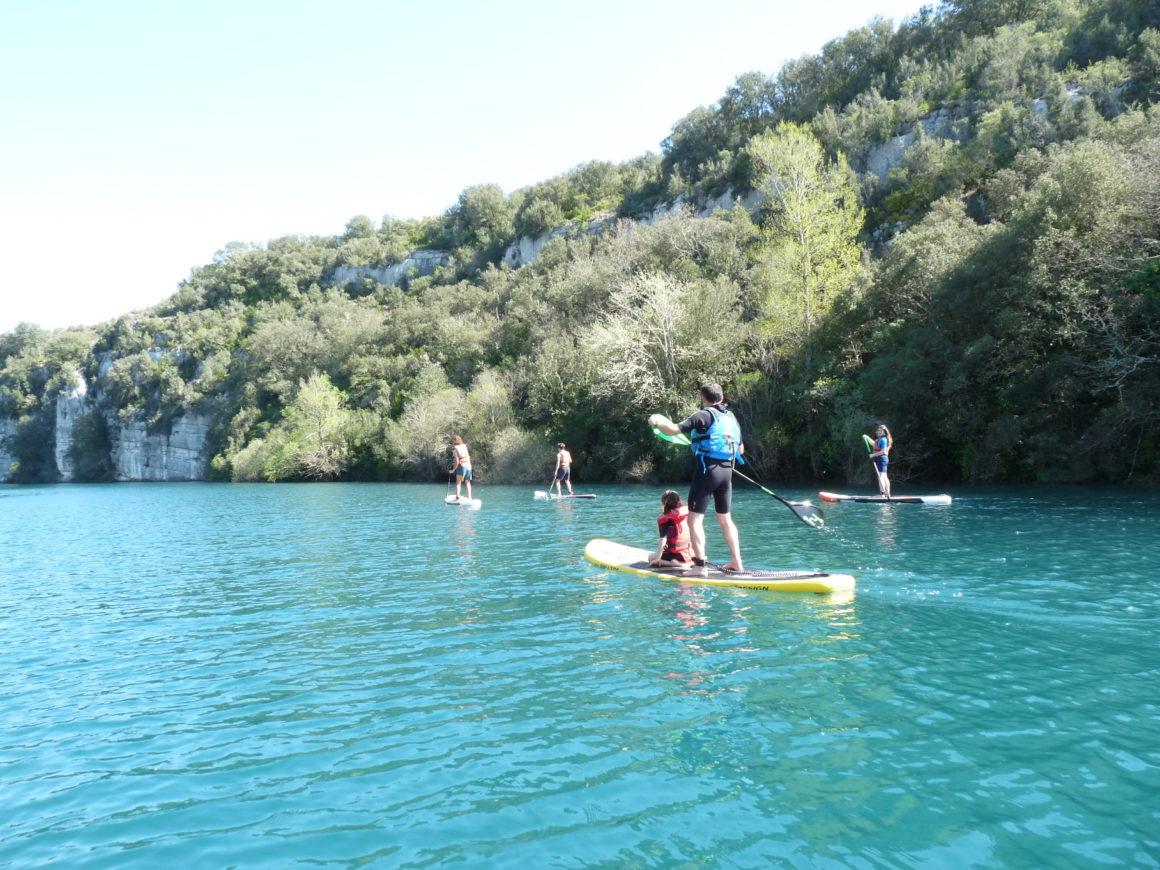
x=333, y=675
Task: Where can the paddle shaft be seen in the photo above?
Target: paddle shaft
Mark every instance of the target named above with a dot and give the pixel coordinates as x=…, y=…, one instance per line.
x=762, y=488
x=807, y=513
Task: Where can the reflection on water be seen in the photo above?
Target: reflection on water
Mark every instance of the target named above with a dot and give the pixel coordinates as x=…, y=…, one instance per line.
x=887, y=527
x=463, y=540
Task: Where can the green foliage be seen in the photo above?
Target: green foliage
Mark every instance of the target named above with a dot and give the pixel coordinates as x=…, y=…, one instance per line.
x=31, y=448
x=931, y=169
x=518, y=456
x=419, y=440
x=314, y=440
x=148, y=387
x=660, y=339
x=484, y=219
x=812, y=255
x=314, y=436
x=37, y=365
x=90, y=451
x=591, y=190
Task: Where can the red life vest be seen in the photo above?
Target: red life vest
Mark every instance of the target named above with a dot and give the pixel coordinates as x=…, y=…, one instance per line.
x=674, y=528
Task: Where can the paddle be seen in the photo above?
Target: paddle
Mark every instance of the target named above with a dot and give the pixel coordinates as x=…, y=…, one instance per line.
x=807, y=513
x=680, y=438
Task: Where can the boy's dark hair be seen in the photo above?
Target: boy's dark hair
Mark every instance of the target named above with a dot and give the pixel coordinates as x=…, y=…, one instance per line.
x=670, y=500
x=712, y=393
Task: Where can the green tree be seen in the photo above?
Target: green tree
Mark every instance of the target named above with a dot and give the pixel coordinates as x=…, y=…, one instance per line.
x=31, y=447
x=811, y=257
x=420, y=440
x=485, y=217
x=90, y=449
x=660, y=337
x=314, y=434
x=811, y=250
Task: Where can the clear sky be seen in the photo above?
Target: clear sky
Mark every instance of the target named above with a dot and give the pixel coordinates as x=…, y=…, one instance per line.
x=139, y=137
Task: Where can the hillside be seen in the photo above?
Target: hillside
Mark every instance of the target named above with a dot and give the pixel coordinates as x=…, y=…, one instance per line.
x=952, y=225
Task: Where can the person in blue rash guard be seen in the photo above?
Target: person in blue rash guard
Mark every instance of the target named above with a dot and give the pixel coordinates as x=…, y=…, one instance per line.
x=880, y=456
x=717, y=445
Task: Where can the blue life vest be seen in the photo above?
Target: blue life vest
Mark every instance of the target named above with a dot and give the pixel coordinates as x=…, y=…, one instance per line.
x=722, y=440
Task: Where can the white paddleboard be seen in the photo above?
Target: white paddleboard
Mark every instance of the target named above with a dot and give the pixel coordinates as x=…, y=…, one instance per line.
x=881, y=499
x=473, y=503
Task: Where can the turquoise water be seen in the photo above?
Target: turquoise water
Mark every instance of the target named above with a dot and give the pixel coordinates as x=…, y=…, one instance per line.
x=208, y=675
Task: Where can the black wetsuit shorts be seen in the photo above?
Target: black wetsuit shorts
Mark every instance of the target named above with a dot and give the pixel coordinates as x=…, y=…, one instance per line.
x=713, y=480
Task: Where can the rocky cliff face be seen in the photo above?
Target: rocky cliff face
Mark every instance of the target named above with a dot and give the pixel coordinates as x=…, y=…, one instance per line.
x=7, y=430
x=180, y=455
x=419, y=264
x=882, y=158
x=69, y=405
x=136, y=454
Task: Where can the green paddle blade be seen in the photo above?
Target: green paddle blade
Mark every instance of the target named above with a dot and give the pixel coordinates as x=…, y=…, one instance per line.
x=808, y=514
x=869, y=442
x=680, y=438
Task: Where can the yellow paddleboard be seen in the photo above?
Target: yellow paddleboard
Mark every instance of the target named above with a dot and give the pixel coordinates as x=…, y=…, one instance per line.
x=633, y=560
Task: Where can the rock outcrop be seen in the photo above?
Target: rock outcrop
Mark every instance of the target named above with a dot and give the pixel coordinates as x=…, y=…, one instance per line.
x=7, y=430
x=70, y=404
x=179, y=455
x=135, y=453
x=419, y=264
x=880, y=159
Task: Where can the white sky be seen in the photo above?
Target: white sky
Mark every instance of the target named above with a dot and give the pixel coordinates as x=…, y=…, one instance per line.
x=139, y=137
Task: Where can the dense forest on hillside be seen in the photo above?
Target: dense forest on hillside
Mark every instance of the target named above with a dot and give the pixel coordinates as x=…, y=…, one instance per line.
x=993, y=294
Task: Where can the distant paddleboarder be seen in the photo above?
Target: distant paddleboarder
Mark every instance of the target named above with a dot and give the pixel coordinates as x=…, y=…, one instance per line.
x=880, y=456
x=462, y=467
x=563, y=472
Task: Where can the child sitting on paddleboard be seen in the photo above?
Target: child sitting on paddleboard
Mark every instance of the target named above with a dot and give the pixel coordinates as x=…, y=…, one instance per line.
x=673, y=549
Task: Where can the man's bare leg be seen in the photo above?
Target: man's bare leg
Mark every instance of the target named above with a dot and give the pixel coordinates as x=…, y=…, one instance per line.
x=729, y=529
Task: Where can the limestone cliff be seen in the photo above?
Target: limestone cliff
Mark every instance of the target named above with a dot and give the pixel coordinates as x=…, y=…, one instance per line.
x=178, y=455
x=70, y=404
x=135, y=453
x=420, y=263
x=7, y=430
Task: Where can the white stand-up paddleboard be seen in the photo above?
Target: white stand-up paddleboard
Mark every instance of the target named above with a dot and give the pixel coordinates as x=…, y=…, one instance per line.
x=473, y=503
x=551, y=496
x=881, y=499
x=633, y=560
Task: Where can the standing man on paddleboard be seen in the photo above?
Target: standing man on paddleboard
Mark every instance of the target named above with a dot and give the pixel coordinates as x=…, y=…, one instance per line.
x=462, y=467
x=563, y=470
x=716, y=438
